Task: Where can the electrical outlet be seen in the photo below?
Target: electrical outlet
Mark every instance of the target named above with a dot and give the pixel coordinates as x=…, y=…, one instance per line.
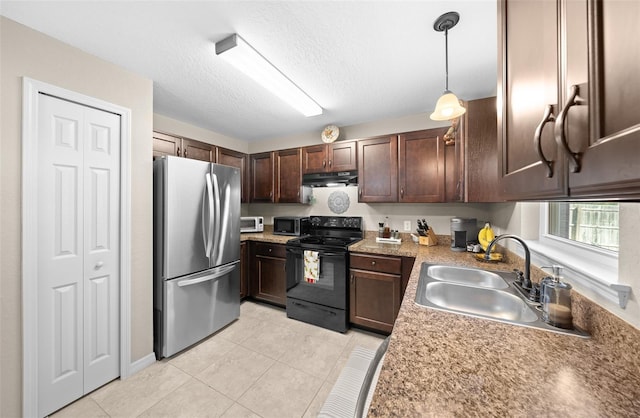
x=407, y=225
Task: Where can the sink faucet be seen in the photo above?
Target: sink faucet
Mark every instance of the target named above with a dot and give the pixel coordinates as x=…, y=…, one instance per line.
x=527, y=256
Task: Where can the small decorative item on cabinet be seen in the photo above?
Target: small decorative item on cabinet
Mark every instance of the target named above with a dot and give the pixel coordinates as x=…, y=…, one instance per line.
x=429, y=240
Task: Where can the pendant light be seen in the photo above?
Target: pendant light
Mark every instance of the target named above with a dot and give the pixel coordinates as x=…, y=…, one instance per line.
x=448, y=106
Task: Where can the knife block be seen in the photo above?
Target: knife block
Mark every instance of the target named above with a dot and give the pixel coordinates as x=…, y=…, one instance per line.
x=430, y=240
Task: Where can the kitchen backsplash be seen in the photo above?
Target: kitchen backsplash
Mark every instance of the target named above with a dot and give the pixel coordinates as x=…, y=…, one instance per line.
x=438, y=215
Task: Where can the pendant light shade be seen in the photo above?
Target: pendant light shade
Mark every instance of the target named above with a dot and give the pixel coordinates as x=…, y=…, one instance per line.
x=448, y=106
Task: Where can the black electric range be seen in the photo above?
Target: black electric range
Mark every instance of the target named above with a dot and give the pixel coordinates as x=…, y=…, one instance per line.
x=317, y=271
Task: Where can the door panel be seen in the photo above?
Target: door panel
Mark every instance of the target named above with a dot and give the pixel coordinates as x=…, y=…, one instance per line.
x=78, y=251
x=60, y=259
x=262, y=177
x=101, y=249
x=314, y=159
x=378, y=170
x=527, y=87
x=342, y=156
x=605, y=131
x=202, y=304
x=197, y=150
x=374, y=299
x=185, y=203
x=421, y=166
x=65, y=361
x=240, y=161
x=226, y=245
x=288, y=175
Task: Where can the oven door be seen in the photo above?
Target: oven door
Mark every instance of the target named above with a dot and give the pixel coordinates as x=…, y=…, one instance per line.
x=330, y=289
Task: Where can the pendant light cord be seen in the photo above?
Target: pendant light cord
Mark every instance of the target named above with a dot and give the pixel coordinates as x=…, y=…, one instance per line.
x=446, y=59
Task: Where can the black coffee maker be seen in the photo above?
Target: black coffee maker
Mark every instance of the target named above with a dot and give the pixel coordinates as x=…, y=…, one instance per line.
x=463, y=230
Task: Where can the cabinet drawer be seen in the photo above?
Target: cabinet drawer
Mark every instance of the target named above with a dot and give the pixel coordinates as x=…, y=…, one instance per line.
x=270, y=250
x=379, y=263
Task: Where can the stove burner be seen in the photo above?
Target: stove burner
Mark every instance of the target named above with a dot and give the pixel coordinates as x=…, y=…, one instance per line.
x=335, y=232
x=328, y=241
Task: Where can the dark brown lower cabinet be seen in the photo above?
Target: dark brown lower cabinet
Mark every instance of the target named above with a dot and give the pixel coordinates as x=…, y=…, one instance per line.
x=244, y=270
x=268, y=278
x=377, y=285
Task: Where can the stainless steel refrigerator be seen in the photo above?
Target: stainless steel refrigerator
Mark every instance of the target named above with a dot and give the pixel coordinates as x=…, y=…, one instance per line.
x=196, y=247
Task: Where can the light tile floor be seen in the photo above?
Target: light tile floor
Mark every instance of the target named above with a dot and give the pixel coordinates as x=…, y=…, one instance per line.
x=262, y=365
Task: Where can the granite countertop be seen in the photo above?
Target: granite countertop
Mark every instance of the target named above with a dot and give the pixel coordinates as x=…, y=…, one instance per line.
x=444, y=364
x=266, y=236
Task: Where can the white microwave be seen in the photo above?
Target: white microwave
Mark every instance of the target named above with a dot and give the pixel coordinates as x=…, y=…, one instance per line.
x=251, y=224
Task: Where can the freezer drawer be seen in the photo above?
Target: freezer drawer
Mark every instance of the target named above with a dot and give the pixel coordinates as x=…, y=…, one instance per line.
x=196, y=306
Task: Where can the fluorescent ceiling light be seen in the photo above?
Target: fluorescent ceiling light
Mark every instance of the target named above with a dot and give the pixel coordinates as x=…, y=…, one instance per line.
x=241, y=55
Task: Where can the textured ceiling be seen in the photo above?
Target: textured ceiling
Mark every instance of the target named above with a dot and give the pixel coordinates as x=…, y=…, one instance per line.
x=361, y=61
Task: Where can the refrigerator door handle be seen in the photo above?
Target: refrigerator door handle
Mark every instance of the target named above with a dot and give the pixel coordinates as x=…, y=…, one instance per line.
x=225, y=222
x=209, y=224
x=215, y=220
x=202, y=216
x=218, y=273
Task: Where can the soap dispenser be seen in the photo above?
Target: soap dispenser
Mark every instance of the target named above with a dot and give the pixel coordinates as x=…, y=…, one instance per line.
x=555, y=297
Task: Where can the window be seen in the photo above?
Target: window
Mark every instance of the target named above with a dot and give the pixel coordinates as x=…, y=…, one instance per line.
x=582, y=237
x=593, y=224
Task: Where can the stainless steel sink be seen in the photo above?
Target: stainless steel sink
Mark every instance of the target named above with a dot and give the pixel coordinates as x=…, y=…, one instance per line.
x=476, y=301
x=469, y=276
x=482, y=294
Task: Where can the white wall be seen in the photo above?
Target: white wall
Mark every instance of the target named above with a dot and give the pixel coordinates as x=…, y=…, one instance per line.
x=27, y=53
x=359, y=131
x=168, y=125
x=523, y=219
x=438, y=215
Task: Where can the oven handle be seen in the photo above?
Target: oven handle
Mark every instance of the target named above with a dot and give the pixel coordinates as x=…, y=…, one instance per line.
x=330, y=254
x=321, y=253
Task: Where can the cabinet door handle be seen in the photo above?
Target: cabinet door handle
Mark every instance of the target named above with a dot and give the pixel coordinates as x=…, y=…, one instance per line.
x=330, y=163
x=178, y=152
x=574, y=157
x=184, y=153
x=324, y=163
x=402, y=193
x=352, y=279
x=547, y=117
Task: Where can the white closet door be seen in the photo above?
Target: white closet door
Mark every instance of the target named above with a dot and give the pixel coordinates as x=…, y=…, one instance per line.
x=101, y=248
x=78, y=219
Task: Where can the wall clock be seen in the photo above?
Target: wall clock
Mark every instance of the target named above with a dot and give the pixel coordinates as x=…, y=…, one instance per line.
x=330, y=134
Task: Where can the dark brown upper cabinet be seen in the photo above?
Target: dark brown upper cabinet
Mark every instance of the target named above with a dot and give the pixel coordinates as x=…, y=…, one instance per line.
x=529, y=88
x=421, y=166
x=478, y=181
x=568, y=124
x=262, y=177
x=164, y=144
x=338, y=156
x=197, y=150
x=378, y=169
x=598, y=125
x=409, y=167
x=240, y=161
x=288, y=166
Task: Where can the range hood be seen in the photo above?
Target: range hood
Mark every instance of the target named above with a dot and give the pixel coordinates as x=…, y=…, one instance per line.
x=342, y=178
